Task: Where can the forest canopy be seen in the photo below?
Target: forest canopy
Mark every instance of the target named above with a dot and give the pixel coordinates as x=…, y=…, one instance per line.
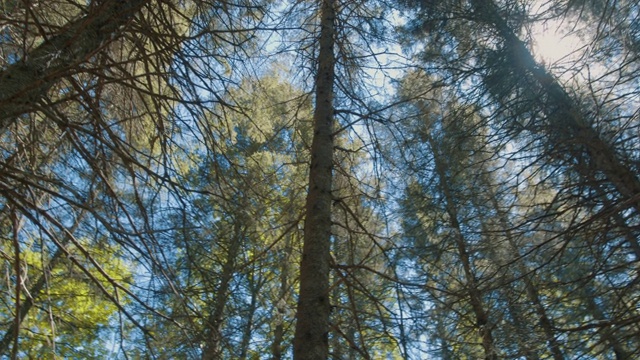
x=328, y=179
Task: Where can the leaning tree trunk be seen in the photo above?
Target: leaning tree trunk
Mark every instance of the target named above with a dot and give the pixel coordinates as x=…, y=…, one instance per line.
x=247, y=330
x=311, y=339
x=483, y=325
x=281, y=303
x=27, y=81
x=522, y=332
x=545, y=322
x=567, y=124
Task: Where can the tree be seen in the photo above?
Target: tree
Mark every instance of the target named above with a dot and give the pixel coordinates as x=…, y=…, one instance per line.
x=443, y=130
x=26, y=81
x=550, y=136
x=511, y=69
x=90, y=125
x=311, y=339
x=154, y=159
x=63, y=308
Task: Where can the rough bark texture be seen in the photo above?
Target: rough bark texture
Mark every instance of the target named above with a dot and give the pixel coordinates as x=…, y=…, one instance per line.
x=545, y=321
x=311, y=340
x=25, y=82
x=278, y=333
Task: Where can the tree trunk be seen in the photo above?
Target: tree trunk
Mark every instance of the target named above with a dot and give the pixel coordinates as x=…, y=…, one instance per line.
x=281, y=304
x=475, y=295
x=311, y=339
x=276, y=346
x=25, y=82
x=520, y=326
x=213, y=325
x=531, y=289
x=248, y=325
x=278, y=333
x=285, y=288
x=567, y=123
x=545, y=322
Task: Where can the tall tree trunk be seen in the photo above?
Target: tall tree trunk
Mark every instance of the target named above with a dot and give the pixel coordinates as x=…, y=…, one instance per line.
x=283, y=299
x=338, y=342
x=281, y=304
x=311, y=339
x=475, y=295
x=531, y=289
x=213, y=325
x=278, y=337
x=278, y=333
x=545, y=321
x=519, y=323
x=522, y=333
x=567, y=122
x=255, y=287
x=25, y=82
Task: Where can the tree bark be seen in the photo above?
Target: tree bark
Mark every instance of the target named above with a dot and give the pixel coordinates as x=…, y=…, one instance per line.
x=27, y=81
x=311, y=339
x=545, y=322
x=278, y=332
x=248, y=325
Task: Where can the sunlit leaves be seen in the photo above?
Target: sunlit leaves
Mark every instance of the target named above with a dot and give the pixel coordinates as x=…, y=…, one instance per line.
x=72, y=313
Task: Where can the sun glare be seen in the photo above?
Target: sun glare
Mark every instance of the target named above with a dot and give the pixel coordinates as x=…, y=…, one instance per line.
x=553, y=43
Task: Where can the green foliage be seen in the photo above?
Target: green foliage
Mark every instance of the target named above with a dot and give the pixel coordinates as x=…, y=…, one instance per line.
x=153, y=178
x=71, y=313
